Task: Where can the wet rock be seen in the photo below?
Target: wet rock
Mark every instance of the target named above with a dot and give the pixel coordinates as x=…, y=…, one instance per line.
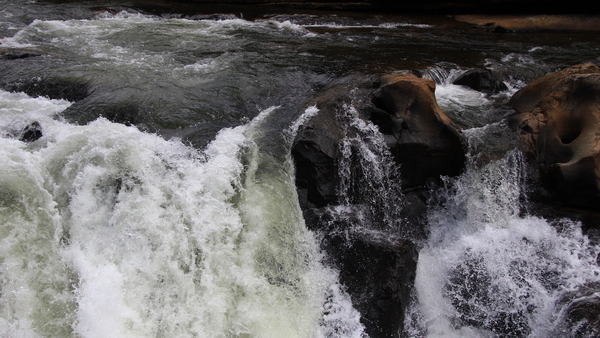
x=558, y=123
x=213, y=17
x=582, y=315
x=379, y=277
x=504, y=23
x=14, y=54
x=422, y=139
x=377, y=272
x=53, y=88
x=482, y=80
x=368, y=227
x=31, y=133
x=316, y=151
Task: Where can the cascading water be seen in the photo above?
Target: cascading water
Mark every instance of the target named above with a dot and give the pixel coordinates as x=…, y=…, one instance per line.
x=370, y=197
x=109, y=230
x=488, y=269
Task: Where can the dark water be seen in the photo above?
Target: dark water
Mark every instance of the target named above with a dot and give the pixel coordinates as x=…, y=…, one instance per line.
x=160, y=200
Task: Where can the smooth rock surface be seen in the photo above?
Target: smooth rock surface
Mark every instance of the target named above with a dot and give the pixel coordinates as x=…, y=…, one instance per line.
x=422, y=139
x=558, y=120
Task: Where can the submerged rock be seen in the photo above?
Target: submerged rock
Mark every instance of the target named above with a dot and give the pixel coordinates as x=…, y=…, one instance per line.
x=14, y=54
x=558, y=122
x=72, y=90
x=581, y=311
x=31, y=133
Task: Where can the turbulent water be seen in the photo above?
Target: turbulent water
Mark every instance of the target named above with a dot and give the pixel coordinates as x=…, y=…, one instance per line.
x=160, y=200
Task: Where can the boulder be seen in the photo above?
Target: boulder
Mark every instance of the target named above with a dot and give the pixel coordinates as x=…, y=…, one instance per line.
x=482, y=80
x=558, y=121
x=422, y=139
x=316, y=151
x=377, y=272
x=368, y=226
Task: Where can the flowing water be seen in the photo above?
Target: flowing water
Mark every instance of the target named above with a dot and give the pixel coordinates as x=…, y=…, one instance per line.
x=160, y=200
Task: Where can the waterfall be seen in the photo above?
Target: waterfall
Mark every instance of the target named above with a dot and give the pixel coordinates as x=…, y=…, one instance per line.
x=157, y=195
x=370, y=198
x=108, y=231
x=488, y=269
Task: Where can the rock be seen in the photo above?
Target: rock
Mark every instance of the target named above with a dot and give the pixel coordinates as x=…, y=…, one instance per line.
x=558, y=122
x=482, y=80
x=14, y=54
x=213, y=17
x=368, y=226
x=420, y=136
x=31, y=133
x=377, y=272
x=582, y=312
x=503, y=23
x=379, y=277
x=53, y=88
x=316, y=151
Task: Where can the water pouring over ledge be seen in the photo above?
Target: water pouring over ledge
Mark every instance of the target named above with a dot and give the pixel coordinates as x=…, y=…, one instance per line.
x=138, y=236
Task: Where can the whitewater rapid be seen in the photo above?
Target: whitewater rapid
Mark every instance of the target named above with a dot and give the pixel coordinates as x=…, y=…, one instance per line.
x=183, y=220
x=111, y=232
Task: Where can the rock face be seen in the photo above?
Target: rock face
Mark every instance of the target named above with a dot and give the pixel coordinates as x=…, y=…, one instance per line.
x=420, y=136
x=558, y=120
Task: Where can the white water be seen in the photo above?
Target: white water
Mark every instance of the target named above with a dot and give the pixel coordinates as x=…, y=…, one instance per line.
x=110, y=232
x=488, y=270
x=107, y=231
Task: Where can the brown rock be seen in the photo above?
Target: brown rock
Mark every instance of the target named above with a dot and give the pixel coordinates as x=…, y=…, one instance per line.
x=558, y=119
x=422, y=139
x=544, y=22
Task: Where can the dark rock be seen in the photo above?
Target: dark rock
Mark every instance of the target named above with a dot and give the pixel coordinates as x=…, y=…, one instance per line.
x=482, y=80
x=377, y=272
x=53, y=88
x=31, y=133
x=379, y=277
x=495, y=22
x=127, y=114
x=371, y=240
x=420, y=136
x=557, y=121
x=376, y=258
x=213, y=17
x=582, y=315
x=16, y=54
x=316, y=151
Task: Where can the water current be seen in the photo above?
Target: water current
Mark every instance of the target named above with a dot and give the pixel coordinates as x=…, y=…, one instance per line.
x=160, y=200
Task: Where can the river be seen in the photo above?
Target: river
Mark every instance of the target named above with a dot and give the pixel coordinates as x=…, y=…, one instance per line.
x=160, y=200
